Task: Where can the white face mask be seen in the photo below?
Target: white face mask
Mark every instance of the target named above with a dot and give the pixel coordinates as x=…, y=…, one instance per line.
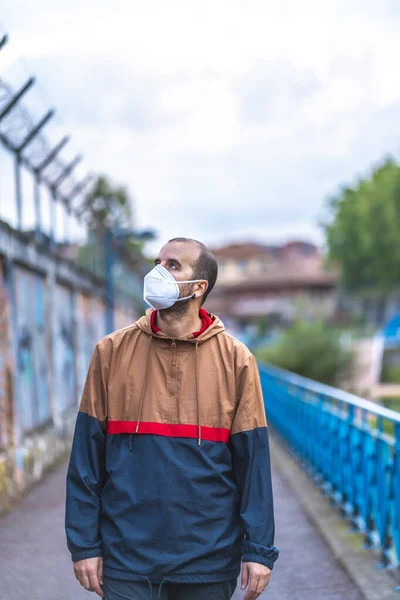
x=161, y=290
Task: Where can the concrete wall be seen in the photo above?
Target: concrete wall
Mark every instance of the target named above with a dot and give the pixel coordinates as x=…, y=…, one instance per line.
x=51, y=316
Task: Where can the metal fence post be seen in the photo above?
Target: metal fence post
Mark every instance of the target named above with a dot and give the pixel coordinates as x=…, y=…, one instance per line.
x=18, y=190
x=38, y=213
x=53, y=218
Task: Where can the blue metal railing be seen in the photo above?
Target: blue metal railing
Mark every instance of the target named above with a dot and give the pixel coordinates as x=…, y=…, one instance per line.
x=350, y=446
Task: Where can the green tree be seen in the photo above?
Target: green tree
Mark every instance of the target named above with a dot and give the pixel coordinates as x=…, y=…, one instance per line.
x=107, y=206
x=363, y=231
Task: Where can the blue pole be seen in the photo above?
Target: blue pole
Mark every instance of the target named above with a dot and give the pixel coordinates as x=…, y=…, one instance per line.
x=108, y=276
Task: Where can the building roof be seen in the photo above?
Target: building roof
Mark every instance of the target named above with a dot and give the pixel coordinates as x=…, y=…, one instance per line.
x=249, y=250
x=286, y=273
x=282, y=281
x=245, y=251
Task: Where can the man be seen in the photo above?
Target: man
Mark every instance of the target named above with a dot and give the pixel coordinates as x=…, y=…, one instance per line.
x=169, y=483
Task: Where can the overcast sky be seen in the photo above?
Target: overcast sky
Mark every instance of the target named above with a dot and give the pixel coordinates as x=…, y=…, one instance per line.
x=226, y=119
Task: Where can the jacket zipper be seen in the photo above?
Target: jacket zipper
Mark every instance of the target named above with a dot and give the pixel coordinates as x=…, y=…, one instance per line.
x=173, y=346
x=173, y=368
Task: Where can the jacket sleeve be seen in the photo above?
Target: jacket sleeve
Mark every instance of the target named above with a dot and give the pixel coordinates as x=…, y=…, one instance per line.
x=252, y=469
x=86, y=467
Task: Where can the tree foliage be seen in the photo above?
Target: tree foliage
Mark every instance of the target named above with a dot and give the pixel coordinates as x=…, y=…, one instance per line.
x=311, y=350
x=363, y=233
x=107, y=206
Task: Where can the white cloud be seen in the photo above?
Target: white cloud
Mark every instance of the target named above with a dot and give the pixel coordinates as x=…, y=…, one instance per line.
x=224, y=118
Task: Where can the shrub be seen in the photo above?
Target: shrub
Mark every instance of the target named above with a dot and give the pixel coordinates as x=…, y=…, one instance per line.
x=311, y=350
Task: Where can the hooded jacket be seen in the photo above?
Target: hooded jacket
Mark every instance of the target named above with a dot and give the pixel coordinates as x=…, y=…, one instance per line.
x=169, y=476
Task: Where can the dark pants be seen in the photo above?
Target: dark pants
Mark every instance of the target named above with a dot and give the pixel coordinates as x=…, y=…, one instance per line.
x=115, y=589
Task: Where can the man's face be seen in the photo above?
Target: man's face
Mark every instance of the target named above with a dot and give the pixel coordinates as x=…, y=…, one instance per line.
x=179, y=258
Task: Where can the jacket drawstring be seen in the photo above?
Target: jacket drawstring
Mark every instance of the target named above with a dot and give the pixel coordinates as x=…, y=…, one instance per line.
x=144, y=386
x=144, y=393
x=160, y=588
x=197, y=394
x=150, y=588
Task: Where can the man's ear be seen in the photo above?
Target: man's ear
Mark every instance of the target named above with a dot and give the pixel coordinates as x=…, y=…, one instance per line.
x=203, y=286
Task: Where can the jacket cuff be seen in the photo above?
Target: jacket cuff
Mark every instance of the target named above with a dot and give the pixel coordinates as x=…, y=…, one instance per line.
x=90, y=553
x=265, y=555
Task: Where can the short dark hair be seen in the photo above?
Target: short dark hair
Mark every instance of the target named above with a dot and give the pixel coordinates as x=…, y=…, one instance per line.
x=206, y=266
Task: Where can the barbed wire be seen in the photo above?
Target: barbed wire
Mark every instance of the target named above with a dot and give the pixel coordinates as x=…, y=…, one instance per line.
x=15, y=127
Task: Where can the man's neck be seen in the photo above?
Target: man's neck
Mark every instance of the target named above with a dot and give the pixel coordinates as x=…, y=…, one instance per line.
x=179, y=327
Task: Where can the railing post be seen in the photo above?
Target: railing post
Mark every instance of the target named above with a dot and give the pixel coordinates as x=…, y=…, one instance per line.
x=348, y=450
x=382, y=466
x=396, y=493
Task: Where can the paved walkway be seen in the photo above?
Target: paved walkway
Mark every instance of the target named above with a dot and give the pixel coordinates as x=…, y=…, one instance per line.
x=35, y=565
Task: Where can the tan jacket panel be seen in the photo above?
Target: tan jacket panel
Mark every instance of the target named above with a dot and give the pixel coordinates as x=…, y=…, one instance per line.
x=133, y=362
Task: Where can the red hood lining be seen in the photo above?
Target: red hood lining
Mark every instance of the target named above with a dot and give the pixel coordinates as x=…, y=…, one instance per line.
x=203, y=314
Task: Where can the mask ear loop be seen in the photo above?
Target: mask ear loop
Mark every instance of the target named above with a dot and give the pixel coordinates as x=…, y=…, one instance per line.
x=193, y=296
x=190, y=281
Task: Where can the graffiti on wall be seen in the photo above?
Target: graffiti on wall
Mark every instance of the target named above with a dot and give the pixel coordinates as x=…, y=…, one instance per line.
x=99, y=320
x=124, y=315
x=6, y=405
x=64, y=368
x=42, y=356
x=24, y=287
x=90, y=315
x=32, y=359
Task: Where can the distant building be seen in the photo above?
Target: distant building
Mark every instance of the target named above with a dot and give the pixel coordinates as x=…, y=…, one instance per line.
x=278, y=283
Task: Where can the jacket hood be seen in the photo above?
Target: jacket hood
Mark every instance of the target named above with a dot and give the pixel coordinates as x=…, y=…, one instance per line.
x=215, y=328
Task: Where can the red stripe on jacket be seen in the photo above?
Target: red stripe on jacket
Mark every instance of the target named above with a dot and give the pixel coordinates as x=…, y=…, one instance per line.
x=211, y=434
